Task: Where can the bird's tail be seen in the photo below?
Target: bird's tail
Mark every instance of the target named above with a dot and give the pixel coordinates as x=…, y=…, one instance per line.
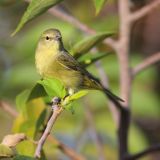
x=112, y=96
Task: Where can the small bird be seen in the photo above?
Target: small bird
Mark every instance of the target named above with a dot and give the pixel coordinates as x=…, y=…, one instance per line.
x=53, y=61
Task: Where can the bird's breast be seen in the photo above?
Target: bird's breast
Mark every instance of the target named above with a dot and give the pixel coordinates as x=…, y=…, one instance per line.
x=48, y=66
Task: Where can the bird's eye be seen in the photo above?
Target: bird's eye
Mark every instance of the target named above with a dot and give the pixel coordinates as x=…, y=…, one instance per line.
x=47, y=38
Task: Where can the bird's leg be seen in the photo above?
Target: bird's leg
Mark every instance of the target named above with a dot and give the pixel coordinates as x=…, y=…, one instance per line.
x=56, y=100
x=69, y=93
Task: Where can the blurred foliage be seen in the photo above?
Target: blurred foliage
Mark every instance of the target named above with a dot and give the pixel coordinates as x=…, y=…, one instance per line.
x=19, y=77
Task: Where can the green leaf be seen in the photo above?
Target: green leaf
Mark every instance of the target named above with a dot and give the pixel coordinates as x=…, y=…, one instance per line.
x=21, y=100
x=53, y=87
x=36, y=92
x=22, y=157
x=41, y=120
x=98, y=5
x=70, y=99
x=88, y=43
x=5, y=151
x=35, y=8
x=87, y=60
x=26, y=148
x=78, y=95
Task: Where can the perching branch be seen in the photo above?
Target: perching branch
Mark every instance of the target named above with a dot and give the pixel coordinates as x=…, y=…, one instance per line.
x=152, y=149
x=63, y=148
x=57, y=110
x=146, y=63
x=144, y=11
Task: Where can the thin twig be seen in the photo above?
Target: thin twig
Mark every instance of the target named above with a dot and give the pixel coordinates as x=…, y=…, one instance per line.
x=65, y=149
x=72, y=20
x=146, y=63
x=57, y=110
x=152, y=149
x=9, y=109
x=78, y=24
x=105, y=83
x=144, y=11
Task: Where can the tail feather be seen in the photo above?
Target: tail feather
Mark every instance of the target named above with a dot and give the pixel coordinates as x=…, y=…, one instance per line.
x=112, y=96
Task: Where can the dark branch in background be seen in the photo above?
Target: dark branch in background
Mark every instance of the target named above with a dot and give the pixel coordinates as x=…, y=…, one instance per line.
x=154, y=148
x=144, y=11
x=146, y=63
x=56, y=109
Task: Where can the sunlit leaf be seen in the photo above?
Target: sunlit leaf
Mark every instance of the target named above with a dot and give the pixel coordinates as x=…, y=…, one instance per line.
x=18, y=122
x=26, y=148
x=26, y=121
x=98, y=5
x=78, y=95
x=5, y=151
x=53, y=87
x=35, y=8
x=86, y=44
x=21, y=100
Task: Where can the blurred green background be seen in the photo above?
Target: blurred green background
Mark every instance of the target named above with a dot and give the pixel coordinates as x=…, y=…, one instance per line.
x=17, y=73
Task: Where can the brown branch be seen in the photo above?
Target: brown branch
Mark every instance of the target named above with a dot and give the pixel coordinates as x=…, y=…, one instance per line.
x=151, y=149
x=65, y=149
x=57, y=110
x=78, y=24
x=125, y=78
x=70, y=19
x=8, y=108
x=146, y=63
x=144, y=11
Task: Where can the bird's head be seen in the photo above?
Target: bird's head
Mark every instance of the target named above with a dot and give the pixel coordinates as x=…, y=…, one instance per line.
x=51, y=38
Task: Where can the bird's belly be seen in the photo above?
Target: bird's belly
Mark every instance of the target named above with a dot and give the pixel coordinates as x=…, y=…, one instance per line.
x=49, y=67
x=70, y=78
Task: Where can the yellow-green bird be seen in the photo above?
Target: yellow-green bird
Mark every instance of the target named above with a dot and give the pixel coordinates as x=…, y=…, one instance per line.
x=53, y=61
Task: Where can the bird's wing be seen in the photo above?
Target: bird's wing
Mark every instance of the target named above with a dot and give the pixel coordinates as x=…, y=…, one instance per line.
x=67, y=61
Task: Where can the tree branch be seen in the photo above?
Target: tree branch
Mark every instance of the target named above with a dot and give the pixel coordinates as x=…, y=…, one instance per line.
x=56, y=112
x=144, y=11
x=122, y=50
x=7, y=108
x=152, y=149
x=65, y=149
x=146, y=63
x=75, y=22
